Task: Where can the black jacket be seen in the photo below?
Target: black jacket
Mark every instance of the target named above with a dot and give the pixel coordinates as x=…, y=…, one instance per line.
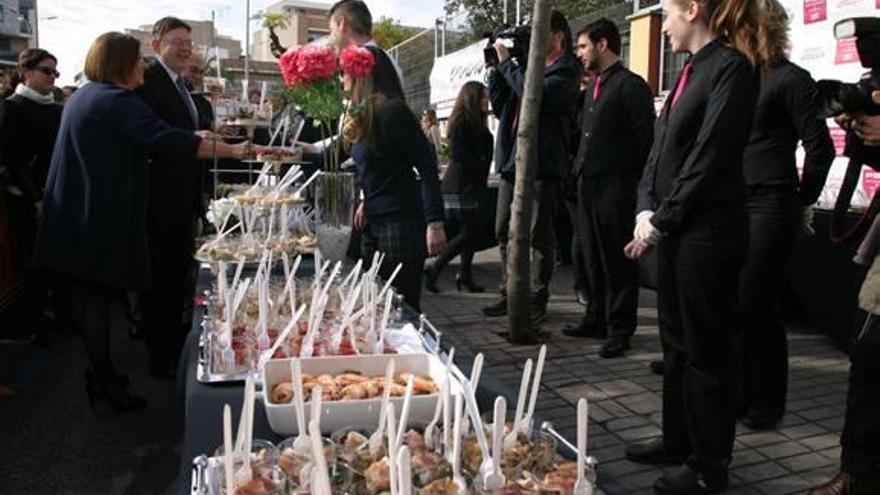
x=468, y=171
x=93, y=223
x=695, y=164
x=618, y=129
x=174, y=184
x=27, y=136
x=788, y=112
x=561, y=81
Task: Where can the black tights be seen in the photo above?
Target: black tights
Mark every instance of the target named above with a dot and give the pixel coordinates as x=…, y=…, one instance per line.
x=95, y=307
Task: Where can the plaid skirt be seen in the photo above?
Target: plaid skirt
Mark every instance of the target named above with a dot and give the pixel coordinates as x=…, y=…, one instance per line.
x=402, y=241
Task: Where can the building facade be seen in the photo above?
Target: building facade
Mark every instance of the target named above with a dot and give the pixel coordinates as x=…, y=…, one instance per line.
x=204, y=37
x=18, y=21
x=306, y=22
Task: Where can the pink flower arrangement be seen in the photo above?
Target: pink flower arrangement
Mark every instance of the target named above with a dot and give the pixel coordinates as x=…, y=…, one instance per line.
x=357, y=61
x=308, y=64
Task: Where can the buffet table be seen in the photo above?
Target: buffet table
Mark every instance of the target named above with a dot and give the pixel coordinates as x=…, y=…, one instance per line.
x=203, y=403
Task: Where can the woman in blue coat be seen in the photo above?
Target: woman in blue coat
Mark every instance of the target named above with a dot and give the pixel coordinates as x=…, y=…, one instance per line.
x=92, y=231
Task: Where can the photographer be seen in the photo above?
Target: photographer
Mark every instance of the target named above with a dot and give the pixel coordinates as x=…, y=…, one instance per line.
x=506, y=81
x=860, y=441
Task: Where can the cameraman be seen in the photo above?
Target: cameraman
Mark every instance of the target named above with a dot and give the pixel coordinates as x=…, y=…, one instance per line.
x=860, y=441
x=562, y=73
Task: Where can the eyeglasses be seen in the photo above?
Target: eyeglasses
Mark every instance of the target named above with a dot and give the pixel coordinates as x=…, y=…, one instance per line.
x=47, y=71
x=179, y=43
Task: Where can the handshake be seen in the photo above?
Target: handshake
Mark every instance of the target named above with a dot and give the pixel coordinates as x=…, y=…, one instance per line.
x=645, y=236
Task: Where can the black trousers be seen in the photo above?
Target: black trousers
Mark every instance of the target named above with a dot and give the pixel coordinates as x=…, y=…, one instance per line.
x=774, y=221
x=545, y=205
x=606, y=219
x=402, y=241
x=577, y=252
x=167, y=307
x=697, y=274
x=469, y=221
x=860, y=441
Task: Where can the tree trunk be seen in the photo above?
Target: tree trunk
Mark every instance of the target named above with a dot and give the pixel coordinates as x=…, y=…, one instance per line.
x=520, y=238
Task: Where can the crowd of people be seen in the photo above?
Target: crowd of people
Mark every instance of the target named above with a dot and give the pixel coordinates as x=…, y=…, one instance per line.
x=108, y=193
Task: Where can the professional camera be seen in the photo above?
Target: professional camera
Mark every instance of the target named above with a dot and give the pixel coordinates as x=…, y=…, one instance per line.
x=836, y=97
x=515, y=38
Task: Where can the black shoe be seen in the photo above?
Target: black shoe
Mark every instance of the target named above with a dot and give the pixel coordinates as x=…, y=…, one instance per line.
x=497, y=309
x=686, y=481
x=656, y=367
x=468, y=282
x=614, y=347
x=589, y=327
x=758, y=420
x=431, y=276
x=652, y=452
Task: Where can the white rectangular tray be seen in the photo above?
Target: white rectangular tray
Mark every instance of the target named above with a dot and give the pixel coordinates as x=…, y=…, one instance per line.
x=339, y=414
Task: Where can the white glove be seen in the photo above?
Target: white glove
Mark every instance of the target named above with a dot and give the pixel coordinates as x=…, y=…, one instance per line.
x=807, y=220
x=645, y=231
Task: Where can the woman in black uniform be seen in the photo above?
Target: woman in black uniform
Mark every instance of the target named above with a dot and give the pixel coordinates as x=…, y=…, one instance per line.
x=692, y=210
x=778, y=204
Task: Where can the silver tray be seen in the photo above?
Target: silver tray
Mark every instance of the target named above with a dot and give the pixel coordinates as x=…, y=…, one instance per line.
x=428, y=334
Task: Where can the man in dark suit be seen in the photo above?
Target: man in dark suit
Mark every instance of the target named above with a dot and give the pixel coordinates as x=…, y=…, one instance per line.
x=173, y=201
x=617, y=121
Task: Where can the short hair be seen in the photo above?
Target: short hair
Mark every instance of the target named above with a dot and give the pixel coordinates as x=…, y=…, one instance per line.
x=356, y=13
x=166, y=24
x=603, y=29
x=31, y=58
x=112, y=58
x=559, y=24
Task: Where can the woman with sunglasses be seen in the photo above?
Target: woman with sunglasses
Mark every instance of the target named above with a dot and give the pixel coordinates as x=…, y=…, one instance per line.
x=29, y=123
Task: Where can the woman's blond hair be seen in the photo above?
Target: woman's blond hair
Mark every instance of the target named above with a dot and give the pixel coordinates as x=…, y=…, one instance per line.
x=739, y=23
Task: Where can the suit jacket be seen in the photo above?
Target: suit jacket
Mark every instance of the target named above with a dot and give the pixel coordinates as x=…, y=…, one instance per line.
x=616, y=130
x=696, y=163
x=174, y=185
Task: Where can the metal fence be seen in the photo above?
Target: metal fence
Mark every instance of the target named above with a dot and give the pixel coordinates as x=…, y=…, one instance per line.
x=416, y=55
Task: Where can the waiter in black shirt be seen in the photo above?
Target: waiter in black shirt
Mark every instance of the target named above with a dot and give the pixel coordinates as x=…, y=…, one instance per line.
x=617, y=129
x=778, y=204
x=692, y=209
x=173, y=200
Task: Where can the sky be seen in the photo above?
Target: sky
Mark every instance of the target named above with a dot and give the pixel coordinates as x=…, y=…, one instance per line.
x=68, y=27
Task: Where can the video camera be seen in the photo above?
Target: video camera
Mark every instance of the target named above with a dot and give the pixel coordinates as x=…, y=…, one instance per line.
x=515, y=38
x=836, y=97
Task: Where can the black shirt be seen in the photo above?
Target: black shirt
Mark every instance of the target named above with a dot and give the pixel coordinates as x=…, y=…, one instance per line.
x=696, y=161
x=386, y=174
x=788, y=111
x=616, y=130
x=27, y=136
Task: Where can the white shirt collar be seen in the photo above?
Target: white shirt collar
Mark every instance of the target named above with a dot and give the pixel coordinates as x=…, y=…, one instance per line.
x=173, y=75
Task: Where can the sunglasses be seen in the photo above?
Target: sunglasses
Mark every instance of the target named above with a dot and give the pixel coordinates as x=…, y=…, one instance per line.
x=47, y=71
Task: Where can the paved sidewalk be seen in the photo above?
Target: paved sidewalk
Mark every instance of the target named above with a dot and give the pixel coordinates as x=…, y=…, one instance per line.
x=625, y=397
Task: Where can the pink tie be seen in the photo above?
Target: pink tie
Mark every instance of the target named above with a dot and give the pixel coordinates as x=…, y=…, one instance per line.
x=682, y=83
x=597, y=88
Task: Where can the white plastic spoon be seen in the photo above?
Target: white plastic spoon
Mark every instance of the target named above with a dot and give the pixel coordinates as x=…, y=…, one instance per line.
x=404, y=465
x=404, y=412
x=494, y=479
x=392, y=449
x=317, y=397
x=227, y=449
x=480, y=432
x=476, y=371
x=510, y=438
x=301, y=443
x=582, y=486
x=457, y=478
x=323, y=482
x=430, y=430
x=376, y=437
x=536, y=386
